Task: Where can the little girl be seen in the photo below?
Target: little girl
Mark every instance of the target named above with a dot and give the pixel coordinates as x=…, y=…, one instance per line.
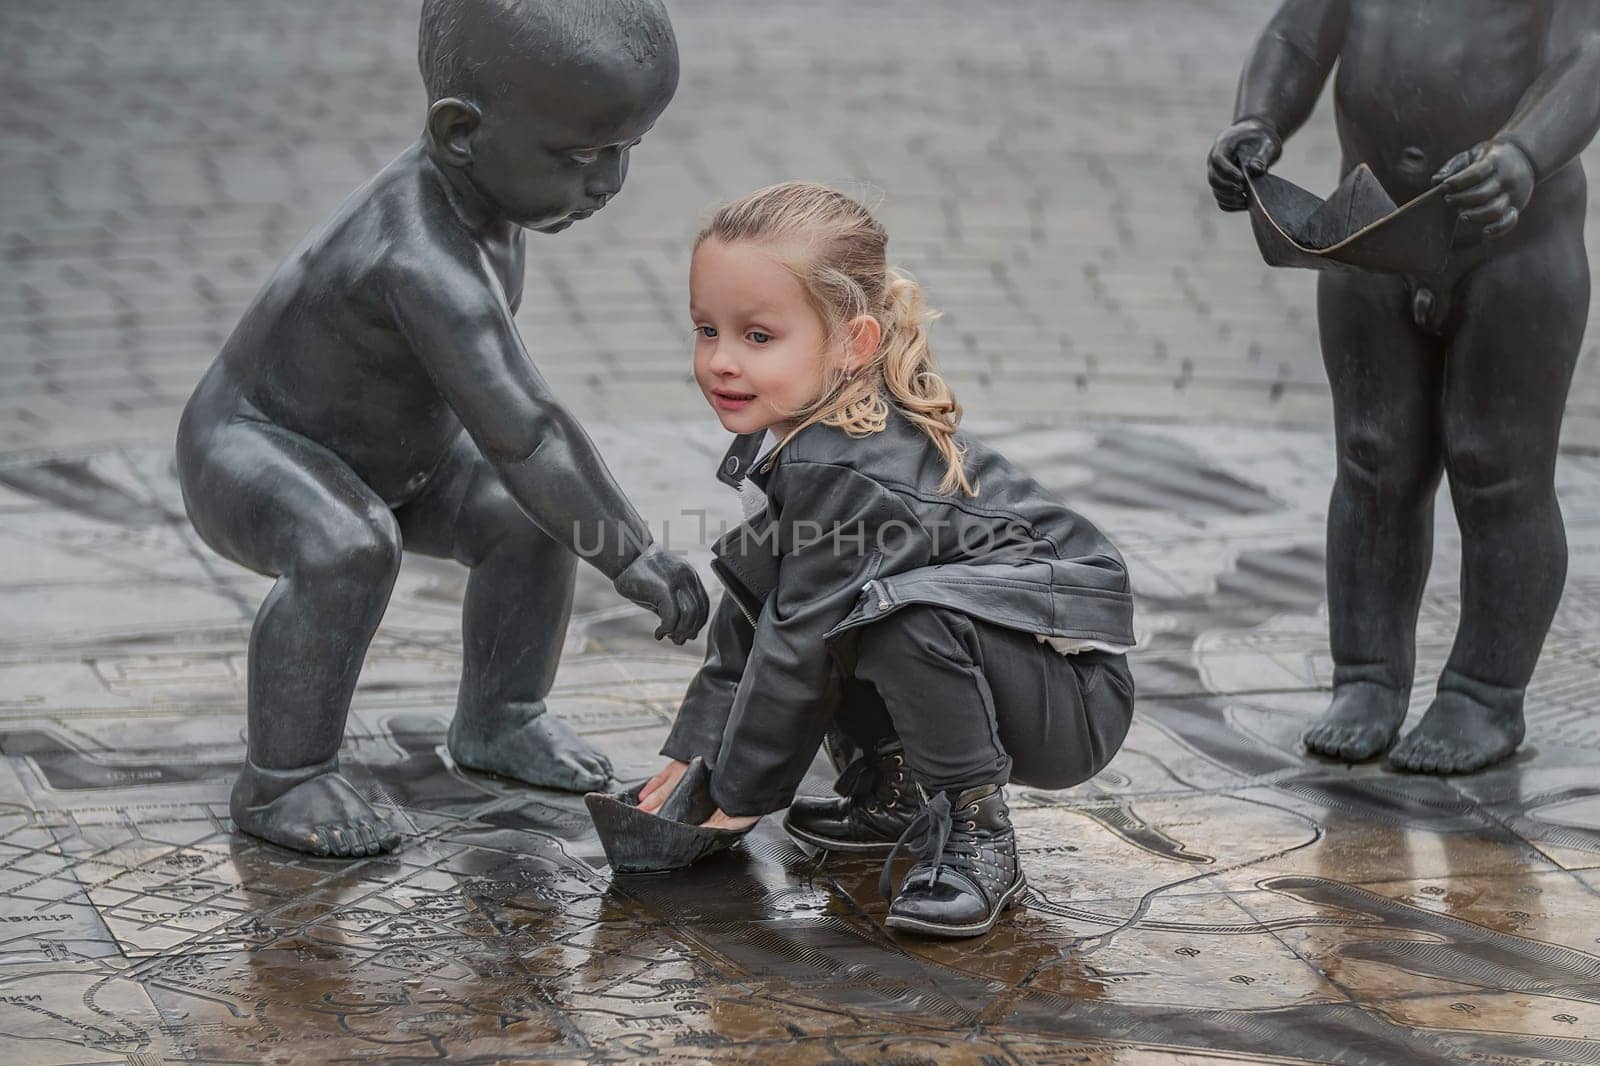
x=897, y=588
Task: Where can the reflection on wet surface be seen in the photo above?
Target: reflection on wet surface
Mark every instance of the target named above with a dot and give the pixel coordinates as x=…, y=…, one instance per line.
x=1214, y=893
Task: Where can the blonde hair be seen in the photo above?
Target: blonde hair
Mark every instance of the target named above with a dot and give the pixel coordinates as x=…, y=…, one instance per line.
x=836, y=249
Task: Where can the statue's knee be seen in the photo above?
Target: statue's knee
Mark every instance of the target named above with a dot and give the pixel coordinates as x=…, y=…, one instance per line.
x=1383, y=468
x=1485, y=476
x=361, y=547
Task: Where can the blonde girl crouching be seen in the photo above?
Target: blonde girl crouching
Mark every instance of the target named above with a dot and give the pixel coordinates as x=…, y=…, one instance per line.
x=897, y=588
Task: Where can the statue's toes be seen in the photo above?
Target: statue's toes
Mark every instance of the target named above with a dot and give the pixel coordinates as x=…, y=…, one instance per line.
x=318, y=841
x=598, y=768
x=1358, y=744
x=341, y=841
x=1401, y=758
x=1321, y=739
x=1418, y=756
x=572, y=773
x=1466, y=760
x=1375, y=742
x=377, y=836
x=386, y=836
x=367, y=833
x=1346, y=742
x=590, y=777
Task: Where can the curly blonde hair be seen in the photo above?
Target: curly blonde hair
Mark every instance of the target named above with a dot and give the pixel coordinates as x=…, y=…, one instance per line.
x=837, y=251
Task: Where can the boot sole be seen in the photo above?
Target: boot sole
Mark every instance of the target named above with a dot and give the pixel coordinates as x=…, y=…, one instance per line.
x=954, y=932
x=854, y=847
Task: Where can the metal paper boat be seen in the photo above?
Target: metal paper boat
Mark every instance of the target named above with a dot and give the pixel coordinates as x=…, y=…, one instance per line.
x=1357, y=228
x=637, y=842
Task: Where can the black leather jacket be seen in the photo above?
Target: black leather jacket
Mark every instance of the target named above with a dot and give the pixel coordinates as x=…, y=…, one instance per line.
x=855, y=529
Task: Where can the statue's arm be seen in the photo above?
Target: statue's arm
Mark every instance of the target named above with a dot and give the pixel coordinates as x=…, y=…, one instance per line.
x=1560, y=113
x=461, y=328
x=1286, y=69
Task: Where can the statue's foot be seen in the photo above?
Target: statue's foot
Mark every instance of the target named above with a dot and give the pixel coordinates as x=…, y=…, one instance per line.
x=1361, y=722
x=1460, y=734
x=315, y=811
x=539, y=749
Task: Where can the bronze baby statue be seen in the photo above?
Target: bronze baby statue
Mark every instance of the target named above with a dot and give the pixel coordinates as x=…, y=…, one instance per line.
x=1464, y=372
x=376, y=395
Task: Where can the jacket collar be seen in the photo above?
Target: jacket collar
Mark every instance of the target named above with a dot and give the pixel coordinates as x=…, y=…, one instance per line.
x=740, y=457
x=744, y=458
x=744, y=455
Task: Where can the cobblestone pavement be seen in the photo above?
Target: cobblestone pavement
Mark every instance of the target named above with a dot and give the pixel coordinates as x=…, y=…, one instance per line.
x=1040, y=162
x=1214, y=894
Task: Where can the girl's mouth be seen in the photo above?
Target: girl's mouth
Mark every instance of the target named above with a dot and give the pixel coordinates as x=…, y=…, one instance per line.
x=731, y=401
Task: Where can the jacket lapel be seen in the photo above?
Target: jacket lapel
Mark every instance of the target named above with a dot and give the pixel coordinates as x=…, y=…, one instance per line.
x=744, y=450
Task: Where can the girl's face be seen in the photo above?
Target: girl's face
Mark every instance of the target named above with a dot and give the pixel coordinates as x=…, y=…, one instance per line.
x=760, y=350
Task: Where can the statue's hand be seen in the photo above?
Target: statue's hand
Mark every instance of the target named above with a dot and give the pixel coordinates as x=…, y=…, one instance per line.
x=1251, y=146
x=668, y=586
x=1488, y=186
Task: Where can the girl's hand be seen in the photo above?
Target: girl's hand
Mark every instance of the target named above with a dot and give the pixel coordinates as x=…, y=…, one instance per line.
x=658, y=788
x=728, y=821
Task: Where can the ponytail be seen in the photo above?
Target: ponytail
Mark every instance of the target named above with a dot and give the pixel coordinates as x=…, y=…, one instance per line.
x=913, y=383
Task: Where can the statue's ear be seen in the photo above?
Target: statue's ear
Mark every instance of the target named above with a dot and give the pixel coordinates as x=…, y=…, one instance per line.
x=451, y=122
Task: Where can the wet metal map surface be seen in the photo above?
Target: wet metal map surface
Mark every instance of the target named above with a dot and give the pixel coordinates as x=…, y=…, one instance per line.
x=1215, y=894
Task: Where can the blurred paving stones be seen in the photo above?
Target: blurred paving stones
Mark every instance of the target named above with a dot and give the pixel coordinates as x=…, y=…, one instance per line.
x=1039, y=166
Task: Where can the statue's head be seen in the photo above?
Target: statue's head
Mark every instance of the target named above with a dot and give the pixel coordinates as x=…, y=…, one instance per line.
x=537, y=102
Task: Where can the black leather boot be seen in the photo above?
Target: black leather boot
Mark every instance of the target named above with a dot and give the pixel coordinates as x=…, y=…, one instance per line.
x=968, y=871
x=879, y=801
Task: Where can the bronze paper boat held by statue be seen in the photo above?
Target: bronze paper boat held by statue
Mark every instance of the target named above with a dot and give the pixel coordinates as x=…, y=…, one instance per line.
x=639, y=842
x=1357, y=228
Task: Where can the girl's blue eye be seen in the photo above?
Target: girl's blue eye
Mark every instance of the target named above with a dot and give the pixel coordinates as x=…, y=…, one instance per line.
x=758, y=337
x=706, y=331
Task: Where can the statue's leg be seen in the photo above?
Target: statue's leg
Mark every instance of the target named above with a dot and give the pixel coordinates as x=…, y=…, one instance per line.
x=285, y=507
x=514, y=622
x=1508, y=371
x=1385, y=376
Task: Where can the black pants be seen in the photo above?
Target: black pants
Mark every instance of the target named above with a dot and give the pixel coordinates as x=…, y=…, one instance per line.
x=975, y=703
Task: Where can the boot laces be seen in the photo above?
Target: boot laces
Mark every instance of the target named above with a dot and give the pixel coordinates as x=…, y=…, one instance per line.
x=928, y=838
x=868, y=779
x=862, y=778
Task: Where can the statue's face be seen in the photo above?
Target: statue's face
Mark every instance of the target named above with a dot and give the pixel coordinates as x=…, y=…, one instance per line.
x=552, y=147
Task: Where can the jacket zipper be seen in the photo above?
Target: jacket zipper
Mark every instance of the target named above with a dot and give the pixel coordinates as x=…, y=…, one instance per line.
x=883, y=594
x=738, y=600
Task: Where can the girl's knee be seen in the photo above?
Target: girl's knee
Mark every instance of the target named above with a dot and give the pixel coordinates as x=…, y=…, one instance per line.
x=1106, y=689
